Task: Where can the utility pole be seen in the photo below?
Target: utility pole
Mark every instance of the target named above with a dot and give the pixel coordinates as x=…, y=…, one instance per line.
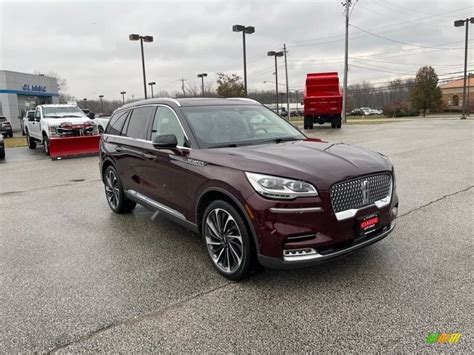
x=287, y=85
x=276, y=55
x=347, y=5
x=297, y=101
x=182, y=86
x=468, y=94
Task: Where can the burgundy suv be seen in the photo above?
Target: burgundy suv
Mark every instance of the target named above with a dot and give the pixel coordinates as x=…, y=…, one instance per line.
x=255, y=187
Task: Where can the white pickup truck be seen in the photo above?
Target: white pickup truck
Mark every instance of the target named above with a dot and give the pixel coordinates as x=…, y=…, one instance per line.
x=51, y=121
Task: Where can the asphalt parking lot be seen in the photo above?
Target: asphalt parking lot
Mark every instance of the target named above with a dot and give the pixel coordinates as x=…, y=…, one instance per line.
x=75, y=277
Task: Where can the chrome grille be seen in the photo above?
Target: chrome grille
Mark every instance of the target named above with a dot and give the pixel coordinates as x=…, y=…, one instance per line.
x=360, y=192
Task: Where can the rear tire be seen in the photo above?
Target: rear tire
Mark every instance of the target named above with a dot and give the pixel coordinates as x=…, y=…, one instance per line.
x=2, y=154
x=10, y=135
x=229, y=244
x=114, y=192
x=333, y=125
x=30, y=141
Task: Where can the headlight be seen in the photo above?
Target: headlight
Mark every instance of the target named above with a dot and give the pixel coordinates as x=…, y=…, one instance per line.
x=53, y=131
x=278, y=187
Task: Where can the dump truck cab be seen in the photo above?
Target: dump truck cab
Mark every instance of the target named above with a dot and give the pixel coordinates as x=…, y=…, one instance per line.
x=322, y=100
x=63, y=130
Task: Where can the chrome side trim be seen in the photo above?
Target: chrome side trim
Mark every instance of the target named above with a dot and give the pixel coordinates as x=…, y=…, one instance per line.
x=157, y=205
x=296, y=210
x=319, y=257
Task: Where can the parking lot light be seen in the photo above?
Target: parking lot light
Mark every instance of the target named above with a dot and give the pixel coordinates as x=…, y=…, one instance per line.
x=101, y=103
x=202, y=75
x=123, y=96
x=276, y=55
x=151, y=87
x=148, y=39
x=245, y=30
x=85, y=102
x=461, y=23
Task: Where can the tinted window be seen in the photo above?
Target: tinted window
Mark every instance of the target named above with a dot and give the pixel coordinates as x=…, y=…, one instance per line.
x=116, y=123
x=166, y=122
x=137, y=122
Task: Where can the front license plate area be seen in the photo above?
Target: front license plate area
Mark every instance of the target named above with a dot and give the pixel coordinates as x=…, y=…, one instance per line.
x=367, y=224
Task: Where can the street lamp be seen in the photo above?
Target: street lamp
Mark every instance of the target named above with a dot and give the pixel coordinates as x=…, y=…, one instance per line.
x=123, y=96
x=460, y=23
x=101, y=103
x=276, y=55
x=245, y=30
x=202, y=75
x=148, y=39
x=85, y=102
x=151, y=87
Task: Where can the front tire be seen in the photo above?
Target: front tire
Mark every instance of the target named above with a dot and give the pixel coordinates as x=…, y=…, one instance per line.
x=46, y=144
x=114, y=192
x=228, y=242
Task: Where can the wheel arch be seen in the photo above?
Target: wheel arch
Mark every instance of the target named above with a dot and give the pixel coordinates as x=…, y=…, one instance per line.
x=105, y=164
x=217, y=193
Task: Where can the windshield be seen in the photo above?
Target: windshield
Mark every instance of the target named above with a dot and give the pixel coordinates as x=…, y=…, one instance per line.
x=221, y=126
x=62, y=111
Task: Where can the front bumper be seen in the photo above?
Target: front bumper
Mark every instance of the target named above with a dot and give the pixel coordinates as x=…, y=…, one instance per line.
x=313, y=257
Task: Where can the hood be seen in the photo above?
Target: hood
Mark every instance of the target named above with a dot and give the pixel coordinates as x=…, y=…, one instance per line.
x=315, y=161
x=74, y=120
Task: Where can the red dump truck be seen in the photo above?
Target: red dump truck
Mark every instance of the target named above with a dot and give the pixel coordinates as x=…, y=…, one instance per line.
x=322, y=100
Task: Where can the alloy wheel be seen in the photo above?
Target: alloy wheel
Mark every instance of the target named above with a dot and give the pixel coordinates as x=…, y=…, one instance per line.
x=224, y=240
x=112, y=189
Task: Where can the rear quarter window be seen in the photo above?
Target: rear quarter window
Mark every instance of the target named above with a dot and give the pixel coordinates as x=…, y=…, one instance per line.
x=116, y=123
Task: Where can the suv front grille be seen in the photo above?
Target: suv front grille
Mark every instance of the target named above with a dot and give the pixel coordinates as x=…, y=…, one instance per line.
x=360, y=192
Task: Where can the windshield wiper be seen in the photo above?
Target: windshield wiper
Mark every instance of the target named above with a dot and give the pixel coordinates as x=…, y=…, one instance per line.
x=228, y=145
x=279, y=140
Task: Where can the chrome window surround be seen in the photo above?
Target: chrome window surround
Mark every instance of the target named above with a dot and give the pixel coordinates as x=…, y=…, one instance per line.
x=243, y=99
x=149, y=141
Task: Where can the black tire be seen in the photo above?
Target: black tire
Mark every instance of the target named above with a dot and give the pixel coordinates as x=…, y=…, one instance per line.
x=305, y=127
x=339, y=125
x=2, y=154
x=46, y=144
x=308, y=122
x=113, y=187
x=30, y=141
x=11, y=135
x=333, y=125
x=229, y=241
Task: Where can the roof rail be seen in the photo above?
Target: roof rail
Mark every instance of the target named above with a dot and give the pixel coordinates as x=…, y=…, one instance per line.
x=243, y=99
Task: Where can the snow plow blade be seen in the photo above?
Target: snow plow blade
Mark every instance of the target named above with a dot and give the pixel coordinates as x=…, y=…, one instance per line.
x=68, y=147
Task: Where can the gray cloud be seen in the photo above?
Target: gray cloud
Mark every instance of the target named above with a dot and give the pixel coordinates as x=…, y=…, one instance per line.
x=87, y=42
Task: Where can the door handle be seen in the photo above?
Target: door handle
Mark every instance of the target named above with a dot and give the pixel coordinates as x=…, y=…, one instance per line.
x=119, y=150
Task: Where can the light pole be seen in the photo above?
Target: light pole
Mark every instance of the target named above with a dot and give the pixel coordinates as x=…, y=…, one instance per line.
x=148, y=39
x=151, y=87
x=245, y=30
x=297, y=98
x=101, y=103
x=460, y=23
x=85, y=102
x=276, y=55
x=123, y=96
x=202, y=75
x=469, y=94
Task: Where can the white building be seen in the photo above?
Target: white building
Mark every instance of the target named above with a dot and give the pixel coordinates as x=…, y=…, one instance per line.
x=20, y=92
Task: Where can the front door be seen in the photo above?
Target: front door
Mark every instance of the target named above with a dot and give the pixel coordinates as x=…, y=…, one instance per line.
x=34, y=127
x=166, y=168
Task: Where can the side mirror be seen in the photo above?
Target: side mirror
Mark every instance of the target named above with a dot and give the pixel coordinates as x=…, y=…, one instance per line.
x=165, y=141
x=37, y=119
x=91, y=115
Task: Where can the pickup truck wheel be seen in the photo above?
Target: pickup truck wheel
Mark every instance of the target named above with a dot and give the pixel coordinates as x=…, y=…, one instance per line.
x=338, y=125
x=2, y=154
x=11, y=135
x=46, y=144
x=30, y=141
x=228, y=241
x=333, y=125
x=114, y=192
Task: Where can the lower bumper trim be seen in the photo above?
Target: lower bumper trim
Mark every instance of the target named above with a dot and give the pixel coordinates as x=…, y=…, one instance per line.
x=297, y=261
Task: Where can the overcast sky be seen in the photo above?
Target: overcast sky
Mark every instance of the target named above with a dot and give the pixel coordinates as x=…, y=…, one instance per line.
x=86, y=42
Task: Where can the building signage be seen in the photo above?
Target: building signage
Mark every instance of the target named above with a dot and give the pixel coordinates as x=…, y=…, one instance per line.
x=36, y=88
